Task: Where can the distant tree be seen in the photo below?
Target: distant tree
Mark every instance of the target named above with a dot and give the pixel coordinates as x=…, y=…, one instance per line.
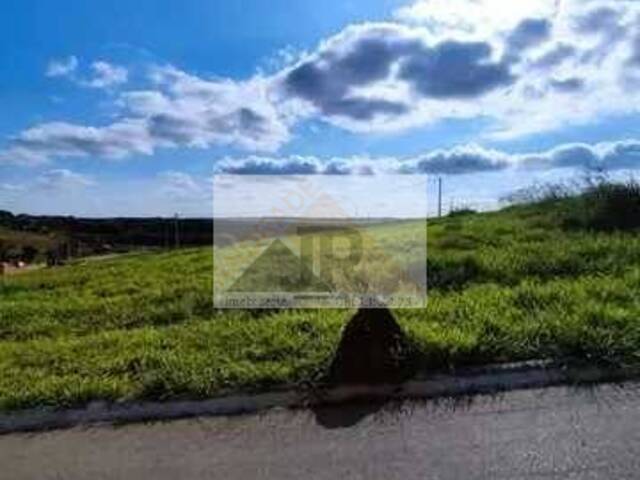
x=13, y=253
x=53, y=258
x=29, y=253
x=5, y=217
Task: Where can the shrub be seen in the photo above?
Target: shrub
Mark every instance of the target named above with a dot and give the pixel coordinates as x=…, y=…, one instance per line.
x=607, y=207
x=461, y=212
x=543, y=193
x=593, y=203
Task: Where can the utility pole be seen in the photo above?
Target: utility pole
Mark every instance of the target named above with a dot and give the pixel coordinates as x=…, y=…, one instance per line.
x=166, y=229
x=177, y=231
x=439, y=197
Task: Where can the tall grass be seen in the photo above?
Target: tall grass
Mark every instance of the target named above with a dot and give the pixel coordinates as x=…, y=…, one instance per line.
x=518, y=284
x=593, y=203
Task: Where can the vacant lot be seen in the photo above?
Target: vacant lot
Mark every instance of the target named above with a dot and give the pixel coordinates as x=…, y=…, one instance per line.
x=511, y=285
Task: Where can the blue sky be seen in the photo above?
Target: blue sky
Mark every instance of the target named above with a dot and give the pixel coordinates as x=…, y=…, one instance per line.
x=127, y=108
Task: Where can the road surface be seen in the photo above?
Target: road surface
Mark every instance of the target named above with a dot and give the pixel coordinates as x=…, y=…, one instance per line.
x=556, y=433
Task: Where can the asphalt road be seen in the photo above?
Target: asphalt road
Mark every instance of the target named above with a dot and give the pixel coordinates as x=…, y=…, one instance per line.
x=556, y=433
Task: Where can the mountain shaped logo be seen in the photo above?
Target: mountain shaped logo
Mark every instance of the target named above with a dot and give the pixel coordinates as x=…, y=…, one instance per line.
x=279, y=269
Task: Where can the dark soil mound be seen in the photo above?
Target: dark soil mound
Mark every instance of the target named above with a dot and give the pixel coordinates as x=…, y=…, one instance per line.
x=373, y=350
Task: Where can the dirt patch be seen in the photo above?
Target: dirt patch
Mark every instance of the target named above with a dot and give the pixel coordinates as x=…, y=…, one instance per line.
x=373, y=350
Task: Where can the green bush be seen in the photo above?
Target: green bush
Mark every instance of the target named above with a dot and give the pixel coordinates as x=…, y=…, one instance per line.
x=606, y=206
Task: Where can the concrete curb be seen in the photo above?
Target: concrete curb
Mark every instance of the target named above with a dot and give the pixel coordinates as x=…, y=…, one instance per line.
x=491, y=379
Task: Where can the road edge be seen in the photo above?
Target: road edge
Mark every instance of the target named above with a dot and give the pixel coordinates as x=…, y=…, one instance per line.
x=483, y=380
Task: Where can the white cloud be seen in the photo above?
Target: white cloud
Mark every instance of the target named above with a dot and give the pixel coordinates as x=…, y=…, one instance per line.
x=523, y=67
x=477, y=177
x=576, y=75
x=378, y=77
x=62, y=180
x=180, y=110
x=103, y=74
x=473, y=18
x=106, y=75
x=298, y=165
x=188, y=110
x=58, y=139
x=529, y=66
x=281, y=59
x=463, y=159
x=62, y=67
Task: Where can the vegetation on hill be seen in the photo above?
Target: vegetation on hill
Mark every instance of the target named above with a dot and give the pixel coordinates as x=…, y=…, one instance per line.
x=553, y=278
x=88, y=235
x=26, y=246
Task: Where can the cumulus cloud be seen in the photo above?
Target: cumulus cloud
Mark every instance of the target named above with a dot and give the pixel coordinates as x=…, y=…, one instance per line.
x=529, y=33
x=530, y=66
x=634, y=58
x=188, y=110
x=381, y=70
x=470, y=159
x=106, y=75
x=459, y=160
x=523, y=67
x=357, y=57
x=58, y=139
x=295, y=165
x=600, y=19
x=181, y=111
x=554, y=46
x=103, y=74
x=568, y=85
x=555, y=56
x=456, y=70
x=62, y=67
x=475, y=19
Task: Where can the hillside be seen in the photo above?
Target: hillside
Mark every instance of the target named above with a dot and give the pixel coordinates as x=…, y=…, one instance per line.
x=88, y=236
x=511, y=285
x=24, y=245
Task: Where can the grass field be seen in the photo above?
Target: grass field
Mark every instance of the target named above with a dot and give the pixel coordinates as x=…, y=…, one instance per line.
x=503, y=286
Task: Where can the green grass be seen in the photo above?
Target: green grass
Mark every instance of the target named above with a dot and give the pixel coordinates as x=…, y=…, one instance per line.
x=504, y=286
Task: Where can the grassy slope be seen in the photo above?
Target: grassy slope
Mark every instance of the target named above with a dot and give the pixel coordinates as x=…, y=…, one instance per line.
x=18, y=239
x=504, y=286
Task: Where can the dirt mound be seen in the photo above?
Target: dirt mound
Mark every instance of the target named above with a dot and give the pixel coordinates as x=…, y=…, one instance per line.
x=373, y=350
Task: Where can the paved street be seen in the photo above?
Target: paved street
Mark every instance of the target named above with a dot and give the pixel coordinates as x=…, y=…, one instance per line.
x=541, y=434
